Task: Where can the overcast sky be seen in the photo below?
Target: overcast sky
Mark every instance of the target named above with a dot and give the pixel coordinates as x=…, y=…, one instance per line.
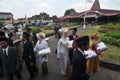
x=53, y=7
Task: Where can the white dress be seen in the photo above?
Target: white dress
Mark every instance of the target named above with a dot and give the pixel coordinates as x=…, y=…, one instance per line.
x=62, y=53
x=39, y=46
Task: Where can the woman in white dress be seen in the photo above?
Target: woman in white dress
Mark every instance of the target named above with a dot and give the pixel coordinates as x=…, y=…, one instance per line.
x=42, y=58
x=62, y=51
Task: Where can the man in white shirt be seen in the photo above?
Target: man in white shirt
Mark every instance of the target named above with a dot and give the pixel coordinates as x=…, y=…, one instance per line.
x=79, y=60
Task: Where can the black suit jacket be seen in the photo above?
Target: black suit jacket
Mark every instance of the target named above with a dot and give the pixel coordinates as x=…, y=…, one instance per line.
x=71, y=37
x=11, y=64
x=71, y=49
x=28, y=52
x=79, y=67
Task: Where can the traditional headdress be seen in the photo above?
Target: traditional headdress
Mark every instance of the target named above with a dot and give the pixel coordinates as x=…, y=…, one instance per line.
x=42, y=34
x=93, y=36
x=63, y=30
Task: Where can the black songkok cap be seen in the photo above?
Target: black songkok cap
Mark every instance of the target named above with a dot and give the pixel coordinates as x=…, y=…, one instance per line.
x=2, y=33
x=82, y=40
x=4, y=39
x=26, y=35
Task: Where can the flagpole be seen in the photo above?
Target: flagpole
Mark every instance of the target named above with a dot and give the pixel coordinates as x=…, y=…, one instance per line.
x=84, y=26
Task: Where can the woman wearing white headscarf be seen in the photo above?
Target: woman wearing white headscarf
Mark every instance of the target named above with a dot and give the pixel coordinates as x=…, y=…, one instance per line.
x=62, y=50
x=40, y=45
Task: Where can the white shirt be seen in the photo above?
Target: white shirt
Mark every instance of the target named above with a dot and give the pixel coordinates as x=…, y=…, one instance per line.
x=81, y=51
x=6, y=50
x=25, y=41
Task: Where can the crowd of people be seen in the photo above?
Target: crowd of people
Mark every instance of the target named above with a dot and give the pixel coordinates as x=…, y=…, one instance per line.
x=73, y=60
x=24, y=46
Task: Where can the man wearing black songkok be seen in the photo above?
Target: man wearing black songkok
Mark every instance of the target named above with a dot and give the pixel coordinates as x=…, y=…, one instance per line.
x=2, y=35
x=9, y=59
x=79, y=60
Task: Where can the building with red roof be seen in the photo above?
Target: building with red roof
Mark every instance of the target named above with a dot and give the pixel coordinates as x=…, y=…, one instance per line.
x=95, y=15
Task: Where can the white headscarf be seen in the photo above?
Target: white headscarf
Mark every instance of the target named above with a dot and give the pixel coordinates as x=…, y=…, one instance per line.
x=64, y=39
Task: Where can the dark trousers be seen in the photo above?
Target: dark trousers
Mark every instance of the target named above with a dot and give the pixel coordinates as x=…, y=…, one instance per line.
x=30, y=70
x=70, y=54
x=1, y=76
x=9, y=77
x=44, y=68
x=19, y=76
x=18, y=73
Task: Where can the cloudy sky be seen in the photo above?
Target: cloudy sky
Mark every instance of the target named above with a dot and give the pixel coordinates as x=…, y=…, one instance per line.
x=53, y=7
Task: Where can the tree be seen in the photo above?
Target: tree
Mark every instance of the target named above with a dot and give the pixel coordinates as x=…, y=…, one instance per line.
x=54, y=17
x=69, y=11
x=41, y=16
x=1, y=24
x=44, y=16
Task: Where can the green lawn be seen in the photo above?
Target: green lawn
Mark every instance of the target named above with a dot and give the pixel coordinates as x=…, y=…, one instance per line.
x=49, y=31
x=92, y=30
x=113, y=52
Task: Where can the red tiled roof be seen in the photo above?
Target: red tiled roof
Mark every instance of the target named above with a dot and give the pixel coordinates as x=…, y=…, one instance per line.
x=101, y=12
x=6, y=13
x=94, y=9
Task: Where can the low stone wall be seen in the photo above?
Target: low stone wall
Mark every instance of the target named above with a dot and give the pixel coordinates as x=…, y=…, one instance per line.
x=110, y=65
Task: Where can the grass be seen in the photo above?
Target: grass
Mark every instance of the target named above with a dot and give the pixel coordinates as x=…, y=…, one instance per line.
x=113, y=52
x=47, y=31
x=92, y=31
x=72, y=27
x=52, y=31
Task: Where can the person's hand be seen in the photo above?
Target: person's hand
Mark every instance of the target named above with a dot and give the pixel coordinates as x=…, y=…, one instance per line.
x=98, y=52
x=30, y=56
x=31, y=64
x=86, y=55
x=21, y=59
x=58, y=58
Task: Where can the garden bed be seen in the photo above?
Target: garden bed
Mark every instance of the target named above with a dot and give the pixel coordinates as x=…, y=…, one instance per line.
x=109, y=27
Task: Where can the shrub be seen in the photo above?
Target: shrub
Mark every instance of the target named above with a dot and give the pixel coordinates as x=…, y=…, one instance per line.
x=103, y=26
x=115, y=35
x=110, y=26
x=71, y=24
x=103, y=30
x=48, y=28
x=111, y=40
x=36, y=29
x=1, y=24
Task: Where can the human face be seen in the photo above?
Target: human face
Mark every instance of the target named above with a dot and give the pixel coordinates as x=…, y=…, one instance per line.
x=86, y=47
x=96, y=38
x=40, y=38
x=23, y=38
x=65, y=34
x=14, y=33
x=3, y=44
x=73, y=32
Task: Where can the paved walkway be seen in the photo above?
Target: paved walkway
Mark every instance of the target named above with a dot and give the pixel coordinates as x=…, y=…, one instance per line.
x=54, y=68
